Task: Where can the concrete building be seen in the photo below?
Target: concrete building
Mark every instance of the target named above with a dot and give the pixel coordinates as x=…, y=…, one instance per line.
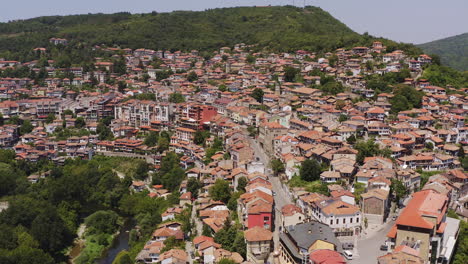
x=258, y=242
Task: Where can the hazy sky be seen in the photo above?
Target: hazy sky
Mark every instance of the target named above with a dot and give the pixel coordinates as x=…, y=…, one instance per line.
x=415, y=21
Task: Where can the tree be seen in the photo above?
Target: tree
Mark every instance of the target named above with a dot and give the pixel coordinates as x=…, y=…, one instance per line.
x=123, y=258
x=192, y=76
x=163, y=144
x=200, y=137
x=461, y=152
x=310, y=170
x=277, y=166
x=176, y=98
x=366, y=149
x=2, y=121
x=257, y=94
x=226, y=261
x=429, y=145
x=242, y=183
x=220, y=191
x=290, y=73
x=193, y=185
x=102, y=222
x=252, y=131
x=342, y=118
x=351, y=139
x=405, y=98
x=251, y=59
x=26, y=127
x=80, y=122
x=222, y=88
x=50, y=118
x=151, y=139
x=398, y=189
x=104, y=132
x=142, y=168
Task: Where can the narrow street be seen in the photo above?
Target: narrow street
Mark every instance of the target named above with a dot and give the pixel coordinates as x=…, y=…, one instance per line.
x=282, y=196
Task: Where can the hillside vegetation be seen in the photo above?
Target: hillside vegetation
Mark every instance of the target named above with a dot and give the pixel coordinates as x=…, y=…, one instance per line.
x=453, y=51
x=278, y=28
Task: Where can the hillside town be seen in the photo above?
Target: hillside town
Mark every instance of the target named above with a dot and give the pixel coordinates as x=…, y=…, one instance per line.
x=349, y=156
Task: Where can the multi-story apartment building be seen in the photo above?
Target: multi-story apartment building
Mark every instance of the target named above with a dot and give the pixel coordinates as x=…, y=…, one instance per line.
x=139, y=113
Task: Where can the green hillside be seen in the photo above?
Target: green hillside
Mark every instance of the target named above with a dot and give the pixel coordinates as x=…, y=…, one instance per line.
x=453, y=51
x=278, y=28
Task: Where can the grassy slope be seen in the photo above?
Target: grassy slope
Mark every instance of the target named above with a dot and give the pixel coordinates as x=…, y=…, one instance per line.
x=453, y=51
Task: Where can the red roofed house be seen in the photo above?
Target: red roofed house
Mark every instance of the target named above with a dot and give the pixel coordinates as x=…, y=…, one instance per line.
x=258, y=244
x=291, y=215
x=260, y=213
x=326, y=256
x=421, y=224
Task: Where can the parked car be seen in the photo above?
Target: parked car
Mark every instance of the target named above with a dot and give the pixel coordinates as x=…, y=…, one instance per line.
x=348, y=254
x=347, y=246
x=384, y=247
x=394, y=217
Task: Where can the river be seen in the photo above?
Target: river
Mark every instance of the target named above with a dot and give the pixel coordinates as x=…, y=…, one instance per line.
x=120, y=243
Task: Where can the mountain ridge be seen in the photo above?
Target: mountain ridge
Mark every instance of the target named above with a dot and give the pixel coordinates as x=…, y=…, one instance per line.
x=453, y=51
x=280, y=28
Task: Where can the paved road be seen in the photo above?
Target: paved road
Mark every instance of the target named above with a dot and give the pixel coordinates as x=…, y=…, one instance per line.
x=369, y=248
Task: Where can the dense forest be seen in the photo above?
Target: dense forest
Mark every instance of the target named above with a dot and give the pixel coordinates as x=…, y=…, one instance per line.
x=453, y=51
x=285, y=28
x=42, y=219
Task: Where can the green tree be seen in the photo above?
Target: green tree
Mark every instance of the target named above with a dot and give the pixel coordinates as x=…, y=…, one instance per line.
x=26, y=127
x=163, y=144
x=351, y=139
x=102, y=222
x=252, y=131
x=193, y=185
x=123, y=258
x=80, y=122
x=226, y=261
x=342, y=118
x=151, y=139
x=200, y=137
x=2, y=120
x=310, y=170
x=176, y=98
x=277, y=166
x=192, y=76
x=399, y=190
x=257, y=94
x=220, y=191
x=242, y=183
x=290, y=73
x=366, y=149
x=50, y=118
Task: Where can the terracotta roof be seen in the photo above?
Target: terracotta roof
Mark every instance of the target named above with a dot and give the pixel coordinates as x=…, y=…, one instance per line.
x=427, y=203
x=257, y=234
x=326, y=256
x=290, y=209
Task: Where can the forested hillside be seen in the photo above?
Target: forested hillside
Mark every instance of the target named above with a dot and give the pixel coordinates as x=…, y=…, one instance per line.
x=278, y=28
x=453, y=51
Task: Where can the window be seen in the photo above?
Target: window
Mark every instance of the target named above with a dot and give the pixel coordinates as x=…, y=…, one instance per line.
x=331, y=222
x=344, y=220
x=266, y=218
x=351, y=220
x=357, y=219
